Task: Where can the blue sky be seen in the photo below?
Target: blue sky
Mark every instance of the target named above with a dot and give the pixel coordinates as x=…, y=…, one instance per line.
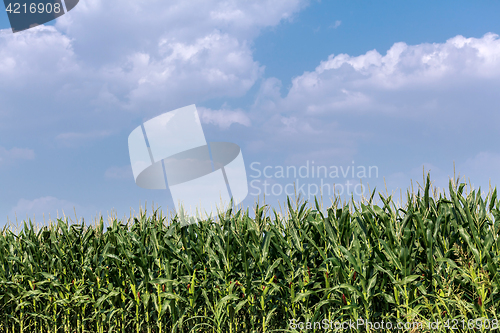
x=392, y=84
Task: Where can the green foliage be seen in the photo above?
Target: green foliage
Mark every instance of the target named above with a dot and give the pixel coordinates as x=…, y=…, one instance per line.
x=435, y=259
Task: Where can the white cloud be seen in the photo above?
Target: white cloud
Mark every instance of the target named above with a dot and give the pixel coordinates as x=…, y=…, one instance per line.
x=223, y=118
x=425, y=95
x=8, y=156
x=190, y=51
x=185, y=19
x=41, y=53
x=382, y=83
x=214, y=65
x=37, y=67
x=107, y=58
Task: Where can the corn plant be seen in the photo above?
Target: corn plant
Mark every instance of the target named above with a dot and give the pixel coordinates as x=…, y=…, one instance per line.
x=435, y=258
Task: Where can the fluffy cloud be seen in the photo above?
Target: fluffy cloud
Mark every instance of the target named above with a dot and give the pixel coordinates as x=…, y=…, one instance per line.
x=372, y=82
x=186, y=21
x=107, y=60
x=446, y=80
x=215, y=65
x=224, y=118
x=41, y=54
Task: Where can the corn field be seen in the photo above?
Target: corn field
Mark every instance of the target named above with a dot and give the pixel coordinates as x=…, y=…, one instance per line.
x=434, y=259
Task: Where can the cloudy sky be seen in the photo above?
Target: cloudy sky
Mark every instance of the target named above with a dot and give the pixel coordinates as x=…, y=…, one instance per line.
x=393, y=85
